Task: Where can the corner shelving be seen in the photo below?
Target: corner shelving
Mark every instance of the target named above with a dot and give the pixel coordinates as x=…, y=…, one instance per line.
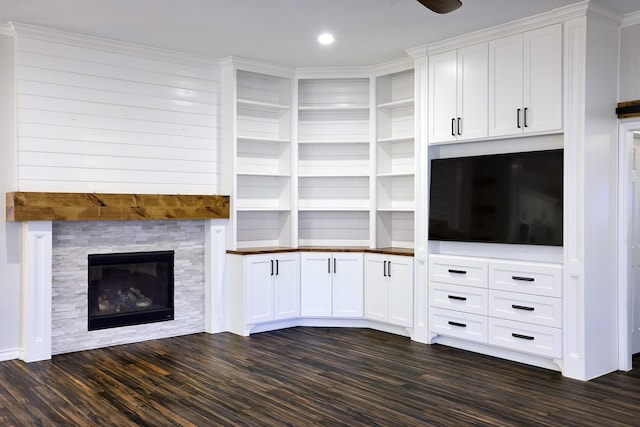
x=263, y=158
x=395, y=159
x=334, y=161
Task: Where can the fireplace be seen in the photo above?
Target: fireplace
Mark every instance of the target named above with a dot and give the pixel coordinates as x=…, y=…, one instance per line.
x=130, y=288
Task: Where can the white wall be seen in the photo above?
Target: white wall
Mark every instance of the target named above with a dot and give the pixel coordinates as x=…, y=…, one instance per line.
x=10, y=233
x=630, y=59
x=101, y=116
x=81, y=114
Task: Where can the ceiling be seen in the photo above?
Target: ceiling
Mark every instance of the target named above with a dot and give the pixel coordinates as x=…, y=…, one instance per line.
x=284, y=32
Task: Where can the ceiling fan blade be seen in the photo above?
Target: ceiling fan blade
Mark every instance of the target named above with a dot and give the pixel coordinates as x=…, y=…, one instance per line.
x=441, y=6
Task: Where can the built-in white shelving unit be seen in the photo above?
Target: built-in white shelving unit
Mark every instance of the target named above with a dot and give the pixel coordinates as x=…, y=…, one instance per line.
x=261, y=159
x=334, y=161
x=395, y=159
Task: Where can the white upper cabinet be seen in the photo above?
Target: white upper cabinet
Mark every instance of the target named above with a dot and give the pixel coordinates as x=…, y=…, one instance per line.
x=525, y=82
x=458, y=94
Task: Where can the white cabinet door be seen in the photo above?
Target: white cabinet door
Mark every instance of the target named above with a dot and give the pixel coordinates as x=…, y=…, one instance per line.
x=259, y=283
x=505, y=85
x=287, y=286
x=316, y=293
x=543, y=79
x=375, y=292
x=400, y=277
x=472, y=100
x=525, y=82
x=332, y=284
x=458, y=94
x=442, y=96
x=348, y=285
x=389, y=289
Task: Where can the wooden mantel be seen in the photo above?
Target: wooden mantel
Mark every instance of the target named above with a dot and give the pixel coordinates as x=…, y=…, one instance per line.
x=46, y=206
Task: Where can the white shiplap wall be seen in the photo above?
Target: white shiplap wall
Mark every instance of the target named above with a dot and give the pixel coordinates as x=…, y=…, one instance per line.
x=102, y=116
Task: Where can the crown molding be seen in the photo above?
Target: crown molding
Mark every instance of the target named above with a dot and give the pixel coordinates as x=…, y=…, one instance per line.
x=92, y=42
x=332, y=72
x=252, y=65
x=7, y=30
x=417, y=52
x=393, y=66
x=632, y=18
x=600, y=11
x=554, y=16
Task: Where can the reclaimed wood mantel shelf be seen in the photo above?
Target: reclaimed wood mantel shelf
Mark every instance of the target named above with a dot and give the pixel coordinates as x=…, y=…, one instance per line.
x=46, y=206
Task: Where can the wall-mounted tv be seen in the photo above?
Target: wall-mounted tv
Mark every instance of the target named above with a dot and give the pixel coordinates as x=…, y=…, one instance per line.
x=502, y=198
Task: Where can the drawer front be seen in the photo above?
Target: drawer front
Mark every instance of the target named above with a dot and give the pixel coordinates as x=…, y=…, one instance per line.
x=458, y=270
x=530, y=278
x=470, y=327
x=525, y=337
x=546, y=311
x=459, y=298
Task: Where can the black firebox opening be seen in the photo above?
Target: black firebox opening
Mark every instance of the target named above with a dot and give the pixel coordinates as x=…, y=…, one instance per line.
x=130, y=288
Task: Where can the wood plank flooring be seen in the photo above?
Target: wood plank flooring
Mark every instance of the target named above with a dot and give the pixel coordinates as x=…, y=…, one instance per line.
x=304, y=377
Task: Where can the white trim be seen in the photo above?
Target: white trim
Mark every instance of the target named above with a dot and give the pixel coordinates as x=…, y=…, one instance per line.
x=92, y=42
x=251, y=65
x=9, y=354
x=529, y=23
x=215, y=267
x=36, y=290
x=625, y=152
x=632, y=18
x=7, y=30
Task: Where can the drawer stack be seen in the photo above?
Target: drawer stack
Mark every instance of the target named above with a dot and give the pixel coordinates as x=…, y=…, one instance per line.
x=509, y=304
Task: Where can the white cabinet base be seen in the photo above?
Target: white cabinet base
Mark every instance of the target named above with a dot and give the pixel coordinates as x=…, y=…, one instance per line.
x=502, y=353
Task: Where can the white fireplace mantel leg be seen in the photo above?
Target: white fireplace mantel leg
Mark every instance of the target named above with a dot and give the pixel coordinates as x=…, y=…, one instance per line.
x=36, y=290
x=215, y=295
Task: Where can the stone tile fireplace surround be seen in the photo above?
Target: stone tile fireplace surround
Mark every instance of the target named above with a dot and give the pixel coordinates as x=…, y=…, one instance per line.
x=55, y=284
x=73, y=241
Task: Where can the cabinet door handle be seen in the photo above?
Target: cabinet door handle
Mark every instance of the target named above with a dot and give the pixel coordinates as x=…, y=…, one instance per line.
x=457, y=271
x=388, y=268
x=457, y=298
x=522, y=307
x=329, y=265
x=518, y=117
x=277, y=268
x=523, y=337
x=272, y=267
x=525, y=117
x=459, y=133
x=384, y=268
x=523, y=279
x=335, y=270
x=453, y=124
x=462, y=325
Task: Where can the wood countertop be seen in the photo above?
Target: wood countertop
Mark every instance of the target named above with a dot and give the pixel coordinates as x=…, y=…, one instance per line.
x=280, y=249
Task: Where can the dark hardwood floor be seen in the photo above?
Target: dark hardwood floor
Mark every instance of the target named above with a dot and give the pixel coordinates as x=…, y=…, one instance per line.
x=302, y=377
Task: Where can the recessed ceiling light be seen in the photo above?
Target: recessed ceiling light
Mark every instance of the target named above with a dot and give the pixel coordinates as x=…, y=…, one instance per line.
x=325, y=38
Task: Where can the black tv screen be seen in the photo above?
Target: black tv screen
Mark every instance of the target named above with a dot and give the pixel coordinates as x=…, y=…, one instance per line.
x=503, y=198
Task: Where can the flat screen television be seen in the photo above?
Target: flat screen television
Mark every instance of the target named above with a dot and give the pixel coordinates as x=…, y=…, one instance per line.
x=503, y=198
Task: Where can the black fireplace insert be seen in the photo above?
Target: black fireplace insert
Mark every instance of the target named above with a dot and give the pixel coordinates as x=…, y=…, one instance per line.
x=130, y=288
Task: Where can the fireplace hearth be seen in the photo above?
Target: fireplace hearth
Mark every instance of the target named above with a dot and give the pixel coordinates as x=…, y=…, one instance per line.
x=130, y=289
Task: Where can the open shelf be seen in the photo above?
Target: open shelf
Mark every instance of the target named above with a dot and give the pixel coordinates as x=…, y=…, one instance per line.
x=264, y=228
x=333, y=228
x=346, y=159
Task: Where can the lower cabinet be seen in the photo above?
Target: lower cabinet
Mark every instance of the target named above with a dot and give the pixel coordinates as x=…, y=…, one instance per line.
x=388, y=293
x=508, y=304
x=332, y=284
x=263, y=288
